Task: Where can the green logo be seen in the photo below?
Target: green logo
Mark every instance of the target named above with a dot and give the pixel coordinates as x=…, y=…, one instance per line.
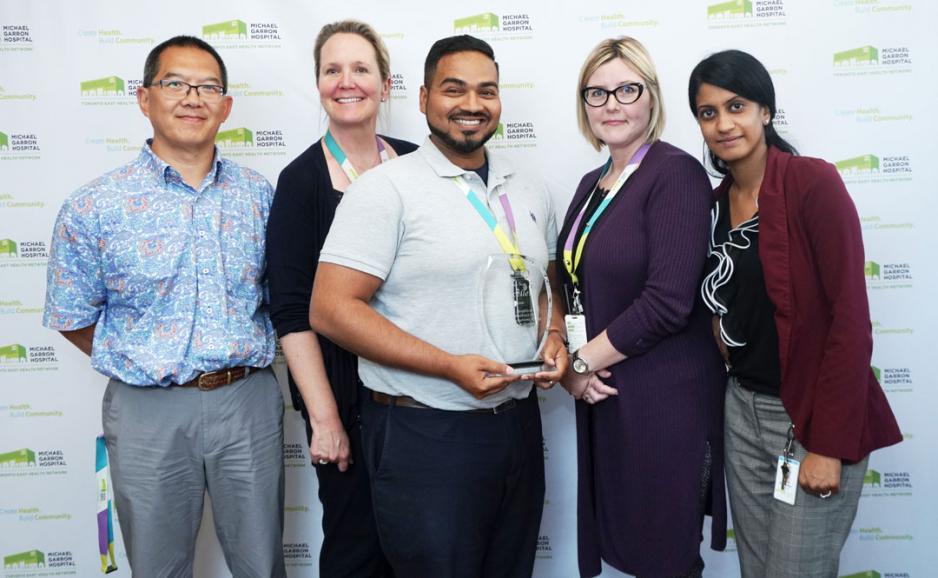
x=14, y=352
x=228, y=30
x=733, y=8
x=872, y=478
x=486, y=22
x=872, y=270
x=4, y=141
x=28, y=559
x=109, y=86
x=23, y=456
x=730, y=534
x=500, y=131
x=864, y=163
x=235, y=137
x=877, y=373
x=8, y=248
x=867, y=574
x=861, y=55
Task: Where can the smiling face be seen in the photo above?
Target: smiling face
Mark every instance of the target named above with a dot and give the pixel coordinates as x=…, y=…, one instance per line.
x=187, y=124
x=462, y=106
x=732, y=126
x=615, y=124
x=350, y=85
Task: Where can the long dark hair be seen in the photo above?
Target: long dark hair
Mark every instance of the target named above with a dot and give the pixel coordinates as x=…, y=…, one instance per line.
x=741, y=73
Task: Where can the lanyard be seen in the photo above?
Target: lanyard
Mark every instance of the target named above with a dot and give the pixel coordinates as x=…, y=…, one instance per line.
x=511, y=247
x=343, y=161
x=105, y=509
x=570, y=260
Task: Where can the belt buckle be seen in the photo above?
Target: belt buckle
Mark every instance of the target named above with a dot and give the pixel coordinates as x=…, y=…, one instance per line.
x=205, y=387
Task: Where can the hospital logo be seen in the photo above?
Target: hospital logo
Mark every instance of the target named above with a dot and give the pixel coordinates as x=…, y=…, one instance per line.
x=28, y=462
x=514, y=135
x=39, y=563
x=781, y=122
x=879, y=484
x=894, y=379
x=871, y=169
x=251, y=142
x=114, y=37
x=870, y=60
x=492, y=27
x=398, y=86
x=544, y=549
x=746, y=14
x=109, y=91
x=17, y=357
x=298, y=554
x=19, y=146
x=241, y=34
x=887, y=275
x=295, y=455
x=730, y=540
x=23, y=253
x=16, y=38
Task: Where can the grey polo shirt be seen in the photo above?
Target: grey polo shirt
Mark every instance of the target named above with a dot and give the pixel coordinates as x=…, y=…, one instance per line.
x=409, y=224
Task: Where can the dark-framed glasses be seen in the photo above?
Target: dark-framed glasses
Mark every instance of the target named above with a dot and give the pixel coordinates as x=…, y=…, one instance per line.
x=179, y=89
x=627, y=93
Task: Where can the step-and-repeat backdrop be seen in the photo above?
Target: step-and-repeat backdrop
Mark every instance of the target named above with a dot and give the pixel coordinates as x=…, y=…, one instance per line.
x=856, y=85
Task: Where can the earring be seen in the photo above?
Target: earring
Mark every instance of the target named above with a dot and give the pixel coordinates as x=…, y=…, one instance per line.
x=765, y=122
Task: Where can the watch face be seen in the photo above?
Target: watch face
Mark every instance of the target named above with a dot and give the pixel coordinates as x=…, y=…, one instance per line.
x=580, y=366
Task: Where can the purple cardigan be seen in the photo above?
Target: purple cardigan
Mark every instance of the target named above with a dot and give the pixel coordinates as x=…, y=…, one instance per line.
x=811, y=251
x=641, y=454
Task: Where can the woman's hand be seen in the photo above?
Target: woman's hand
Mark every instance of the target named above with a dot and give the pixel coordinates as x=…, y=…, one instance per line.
x=724, y=352
x=820, y=474
x=330, y=443
x=596, y=390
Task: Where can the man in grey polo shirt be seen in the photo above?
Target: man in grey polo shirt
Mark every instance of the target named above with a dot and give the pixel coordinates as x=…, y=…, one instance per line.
x=452, y=437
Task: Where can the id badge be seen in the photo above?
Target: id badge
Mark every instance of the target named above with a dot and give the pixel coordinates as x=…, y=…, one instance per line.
x=521, y=296
x=576, y=331
x=786, y=480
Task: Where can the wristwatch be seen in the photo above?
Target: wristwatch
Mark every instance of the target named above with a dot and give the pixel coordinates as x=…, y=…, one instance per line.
x=579, y=364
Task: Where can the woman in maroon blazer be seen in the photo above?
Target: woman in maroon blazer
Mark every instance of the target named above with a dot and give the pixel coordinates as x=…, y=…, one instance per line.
x=785, y=283
x=646, y=372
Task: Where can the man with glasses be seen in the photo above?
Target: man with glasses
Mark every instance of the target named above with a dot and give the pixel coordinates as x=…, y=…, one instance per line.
x=156, y=272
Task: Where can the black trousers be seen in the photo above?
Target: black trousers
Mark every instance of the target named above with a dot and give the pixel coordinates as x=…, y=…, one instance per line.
x=350, y=545
x=456, y=494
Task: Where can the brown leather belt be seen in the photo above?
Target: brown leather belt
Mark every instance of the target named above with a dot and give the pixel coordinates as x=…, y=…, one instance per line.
x=215, y=379
x=406, y=401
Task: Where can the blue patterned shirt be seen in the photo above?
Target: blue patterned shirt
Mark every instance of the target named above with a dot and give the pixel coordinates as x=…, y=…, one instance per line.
x=173, y=276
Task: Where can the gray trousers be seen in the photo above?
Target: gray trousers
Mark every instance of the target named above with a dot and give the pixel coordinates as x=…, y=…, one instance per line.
x=167, y=446
x=774, y=539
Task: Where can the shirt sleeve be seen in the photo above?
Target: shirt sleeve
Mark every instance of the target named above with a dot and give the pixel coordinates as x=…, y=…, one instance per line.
x=368, y=226
x=75, y=288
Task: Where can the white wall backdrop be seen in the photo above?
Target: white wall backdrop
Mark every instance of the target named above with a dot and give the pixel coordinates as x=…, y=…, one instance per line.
x=856, y=85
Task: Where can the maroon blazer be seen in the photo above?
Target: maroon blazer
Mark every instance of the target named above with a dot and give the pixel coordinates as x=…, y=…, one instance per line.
x=812, y=257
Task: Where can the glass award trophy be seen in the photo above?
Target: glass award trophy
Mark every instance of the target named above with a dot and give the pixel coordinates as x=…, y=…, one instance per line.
x=515, y=300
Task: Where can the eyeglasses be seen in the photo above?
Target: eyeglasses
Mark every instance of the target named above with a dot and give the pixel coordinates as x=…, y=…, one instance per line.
x=628, y=93
x=178, y=89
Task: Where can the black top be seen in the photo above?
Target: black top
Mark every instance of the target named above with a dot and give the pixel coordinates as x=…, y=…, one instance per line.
x=735, y=285
x=303, y=209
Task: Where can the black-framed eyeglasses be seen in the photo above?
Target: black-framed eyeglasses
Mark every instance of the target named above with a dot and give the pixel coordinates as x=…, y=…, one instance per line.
x=627, y=93
x=179, y=89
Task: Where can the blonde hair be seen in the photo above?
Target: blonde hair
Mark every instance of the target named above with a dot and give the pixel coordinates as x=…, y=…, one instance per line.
x=635, y=55
x=361, y=29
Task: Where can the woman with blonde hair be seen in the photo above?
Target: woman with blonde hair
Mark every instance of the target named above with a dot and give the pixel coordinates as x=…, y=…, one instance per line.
x=646, y=374
x=353, y=77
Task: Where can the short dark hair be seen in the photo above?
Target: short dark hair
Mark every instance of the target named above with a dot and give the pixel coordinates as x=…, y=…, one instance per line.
x=741, y=73
x=452, y=45
x=152, y=66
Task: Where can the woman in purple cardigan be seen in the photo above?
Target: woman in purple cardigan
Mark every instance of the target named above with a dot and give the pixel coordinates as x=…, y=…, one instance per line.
x=785, y=283
x=646, y=372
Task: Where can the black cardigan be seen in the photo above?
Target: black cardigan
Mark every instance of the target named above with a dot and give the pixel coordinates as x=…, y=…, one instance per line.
x=303, y=209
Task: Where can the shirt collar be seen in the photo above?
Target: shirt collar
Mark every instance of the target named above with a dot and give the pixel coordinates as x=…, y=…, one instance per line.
x=167, y=173
x=499, y=167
